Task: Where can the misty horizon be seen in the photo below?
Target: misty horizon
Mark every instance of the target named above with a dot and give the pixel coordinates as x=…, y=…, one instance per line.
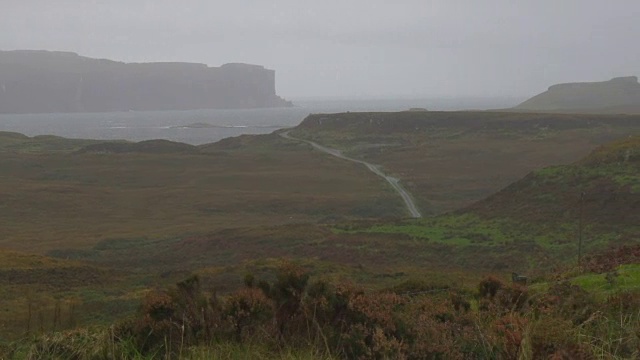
x=333, y=50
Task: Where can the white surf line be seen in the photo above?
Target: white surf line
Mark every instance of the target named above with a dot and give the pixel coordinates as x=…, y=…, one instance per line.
x=395, y=183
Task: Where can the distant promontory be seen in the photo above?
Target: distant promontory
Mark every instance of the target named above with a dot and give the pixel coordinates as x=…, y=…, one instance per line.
x=54, y=82
x=618, y=95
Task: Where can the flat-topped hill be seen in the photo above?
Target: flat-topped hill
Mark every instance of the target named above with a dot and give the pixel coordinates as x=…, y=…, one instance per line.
x=426, y=121
x=47, y=82
x=618, y=95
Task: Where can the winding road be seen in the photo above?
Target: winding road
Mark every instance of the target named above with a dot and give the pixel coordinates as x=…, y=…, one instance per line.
x=395, y=183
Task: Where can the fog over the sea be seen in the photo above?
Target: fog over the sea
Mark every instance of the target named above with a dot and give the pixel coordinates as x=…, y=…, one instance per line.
x=351, y=48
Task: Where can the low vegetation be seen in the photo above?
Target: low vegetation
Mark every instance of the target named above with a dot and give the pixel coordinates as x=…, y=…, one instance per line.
x=262, y=247
x=83, y=195
x=449, y=160
x=298, y=316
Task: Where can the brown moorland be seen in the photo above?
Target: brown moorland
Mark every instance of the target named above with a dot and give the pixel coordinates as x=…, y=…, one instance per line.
x=158, y=211
x=78, y=197
x=449, y=160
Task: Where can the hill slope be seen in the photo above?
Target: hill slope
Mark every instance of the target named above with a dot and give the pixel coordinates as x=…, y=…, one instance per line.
x=618, y=95
x=449, y=160
x=604, y=186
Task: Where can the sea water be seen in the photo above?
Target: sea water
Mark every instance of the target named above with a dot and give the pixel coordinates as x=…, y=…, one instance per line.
x=206, y=126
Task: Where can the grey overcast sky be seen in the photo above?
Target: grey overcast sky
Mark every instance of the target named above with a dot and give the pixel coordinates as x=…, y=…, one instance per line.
x=351, y=48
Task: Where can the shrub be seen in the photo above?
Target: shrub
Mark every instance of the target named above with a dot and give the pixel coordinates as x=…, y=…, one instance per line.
x=287, y=293
x=511, y=328
x=249, y=280
x=193, y=310
x=623, y=302
x=372, y=327
x=432, y=332
x=246, y=310
x=552, y=336
x=156, y=325
x=170, y=320
x=567, y=301
x=320, y=302
x=459, y=302
x=512, y=298
x=489, y=286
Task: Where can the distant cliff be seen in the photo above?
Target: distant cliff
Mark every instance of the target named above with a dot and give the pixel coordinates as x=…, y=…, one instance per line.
x=618, y=95
x=47, y=82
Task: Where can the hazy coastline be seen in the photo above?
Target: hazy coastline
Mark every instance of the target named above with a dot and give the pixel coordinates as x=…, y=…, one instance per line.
x=216, y=124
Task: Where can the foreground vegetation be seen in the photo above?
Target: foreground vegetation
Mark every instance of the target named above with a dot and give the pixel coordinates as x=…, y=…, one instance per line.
x=560, y=316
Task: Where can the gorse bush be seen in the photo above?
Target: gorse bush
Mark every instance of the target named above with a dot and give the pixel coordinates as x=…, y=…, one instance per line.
x=295, y=313
x=287, y=293
x=246, y=311
x=168, y=321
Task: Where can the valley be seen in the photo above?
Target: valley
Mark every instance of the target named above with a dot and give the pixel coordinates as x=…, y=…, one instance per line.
x=92, y=227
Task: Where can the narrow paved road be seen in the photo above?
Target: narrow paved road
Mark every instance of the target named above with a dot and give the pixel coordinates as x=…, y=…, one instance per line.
x=395, y=183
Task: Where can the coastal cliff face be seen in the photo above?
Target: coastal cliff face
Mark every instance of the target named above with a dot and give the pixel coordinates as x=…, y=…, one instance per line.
x=618, y=95
x=48, y=82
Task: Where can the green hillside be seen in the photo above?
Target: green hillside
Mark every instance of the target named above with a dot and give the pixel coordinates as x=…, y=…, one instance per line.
x=604, y=186
x=534, y=223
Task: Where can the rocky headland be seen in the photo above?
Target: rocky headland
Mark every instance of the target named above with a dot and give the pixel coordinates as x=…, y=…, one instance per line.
x=63, y=82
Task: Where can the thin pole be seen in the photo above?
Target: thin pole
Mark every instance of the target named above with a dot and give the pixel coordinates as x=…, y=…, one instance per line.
x=580, y=222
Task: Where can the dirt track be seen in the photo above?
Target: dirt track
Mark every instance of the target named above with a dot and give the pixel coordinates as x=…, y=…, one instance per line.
x=395, y=183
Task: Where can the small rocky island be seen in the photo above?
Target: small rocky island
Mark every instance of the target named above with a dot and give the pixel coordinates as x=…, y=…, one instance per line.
x=63, y=82
x=618, y=95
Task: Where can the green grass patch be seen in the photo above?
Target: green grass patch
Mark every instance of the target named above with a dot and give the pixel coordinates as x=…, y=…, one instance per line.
x=622, y=174
x=627, y=278
x=459, y=230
